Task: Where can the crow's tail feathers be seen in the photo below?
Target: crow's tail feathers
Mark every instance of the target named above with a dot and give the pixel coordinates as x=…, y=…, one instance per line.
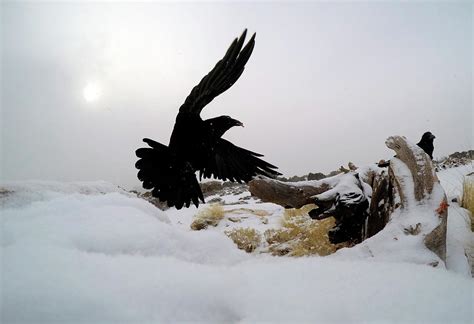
x=171, y=180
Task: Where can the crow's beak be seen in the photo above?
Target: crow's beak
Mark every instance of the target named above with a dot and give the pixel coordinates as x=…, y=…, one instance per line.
x=240, y=124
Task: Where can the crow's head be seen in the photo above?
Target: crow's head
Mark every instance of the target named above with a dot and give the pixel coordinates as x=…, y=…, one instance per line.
x=229, y=122
x=428, y=137
x=222, y=124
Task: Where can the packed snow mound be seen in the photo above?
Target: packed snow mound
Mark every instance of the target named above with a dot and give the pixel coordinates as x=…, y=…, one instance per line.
x=80, y=287
x=452, y=180
x=459, y=241
x=20, y=193
x=100, y=219
x=460, y=238
x=97, y=254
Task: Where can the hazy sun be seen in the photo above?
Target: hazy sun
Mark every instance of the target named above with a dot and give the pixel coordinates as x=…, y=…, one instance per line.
x=91, y=92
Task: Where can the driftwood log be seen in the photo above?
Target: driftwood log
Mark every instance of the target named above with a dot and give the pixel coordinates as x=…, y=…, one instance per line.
x=409, y=180
x=423, y=175
x=343, y=196
x=287, y=194
x=420, y=166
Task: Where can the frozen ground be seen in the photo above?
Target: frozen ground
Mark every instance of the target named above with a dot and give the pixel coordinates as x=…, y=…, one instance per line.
x=91, y=253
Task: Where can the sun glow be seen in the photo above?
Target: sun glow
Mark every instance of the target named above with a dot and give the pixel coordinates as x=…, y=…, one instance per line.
x=92, y=92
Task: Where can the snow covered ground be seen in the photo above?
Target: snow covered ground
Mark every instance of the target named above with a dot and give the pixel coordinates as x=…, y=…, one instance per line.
x=460, y=239
x=92, y=253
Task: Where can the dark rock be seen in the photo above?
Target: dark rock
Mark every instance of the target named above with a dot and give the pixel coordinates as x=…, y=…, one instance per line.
x=211, y=188
x=153, y=200
x=316, y=176
x=214, y=200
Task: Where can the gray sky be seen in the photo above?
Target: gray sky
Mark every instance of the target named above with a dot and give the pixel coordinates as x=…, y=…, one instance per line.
x=326, y=84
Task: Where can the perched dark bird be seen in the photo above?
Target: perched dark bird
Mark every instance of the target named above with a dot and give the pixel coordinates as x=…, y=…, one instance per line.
x=426, y=143
x=196, y=144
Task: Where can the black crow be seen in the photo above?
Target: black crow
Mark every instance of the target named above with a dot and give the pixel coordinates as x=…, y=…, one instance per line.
x=196, y=144
x=426, y=143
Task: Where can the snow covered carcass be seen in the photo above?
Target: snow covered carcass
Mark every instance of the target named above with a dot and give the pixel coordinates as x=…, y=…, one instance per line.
x=407, y=196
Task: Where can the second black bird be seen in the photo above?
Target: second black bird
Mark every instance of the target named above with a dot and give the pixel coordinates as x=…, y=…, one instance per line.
x=426, y=143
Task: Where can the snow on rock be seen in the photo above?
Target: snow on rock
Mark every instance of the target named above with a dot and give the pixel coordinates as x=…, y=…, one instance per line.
x=417, y=161
x=403, y=174
x=331, y=181
x=393, y=244
x=402, y=239
x=346, y=186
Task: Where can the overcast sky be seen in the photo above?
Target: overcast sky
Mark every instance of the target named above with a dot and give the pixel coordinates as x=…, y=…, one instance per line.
x=326, y=84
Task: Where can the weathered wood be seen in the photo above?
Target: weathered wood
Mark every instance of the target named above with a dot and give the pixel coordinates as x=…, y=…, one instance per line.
x=410, y=179
x=424, y=180
x=287, y=194
x=419, y=163
x=342, y=197
x=381, y=204
x=436, y=239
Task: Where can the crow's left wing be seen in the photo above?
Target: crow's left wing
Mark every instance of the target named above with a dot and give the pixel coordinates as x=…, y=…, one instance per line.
x=226, y=72
x=230, y=162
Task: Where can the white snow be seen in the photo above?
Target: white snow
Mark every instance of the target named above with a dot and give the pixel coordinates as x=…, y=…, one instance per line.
x=403, y=174
x=452, y=180
x=92, y=253
x=460, y=239
x=346, y=184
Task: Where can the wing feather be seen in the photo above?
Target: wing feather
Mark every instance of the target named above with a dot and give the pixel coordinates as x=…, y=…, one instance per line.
x=170, y=179
x=230, y=162
x=224, y=74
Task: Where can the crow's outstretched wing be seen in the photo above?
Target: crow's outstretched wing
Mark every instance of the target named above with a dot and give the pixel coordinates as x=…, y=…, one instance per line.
x=230, y=162
x=172, y=180
x=226, y=72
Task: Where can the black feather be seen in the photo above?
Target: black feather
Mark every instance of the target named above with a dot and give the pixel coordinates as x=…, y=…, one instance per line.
x=196, y=144
x=426, y=143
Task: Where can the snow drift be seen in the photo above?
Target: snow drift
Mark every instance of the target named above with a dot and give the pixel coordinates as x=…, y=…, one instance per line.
x=90, y=252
